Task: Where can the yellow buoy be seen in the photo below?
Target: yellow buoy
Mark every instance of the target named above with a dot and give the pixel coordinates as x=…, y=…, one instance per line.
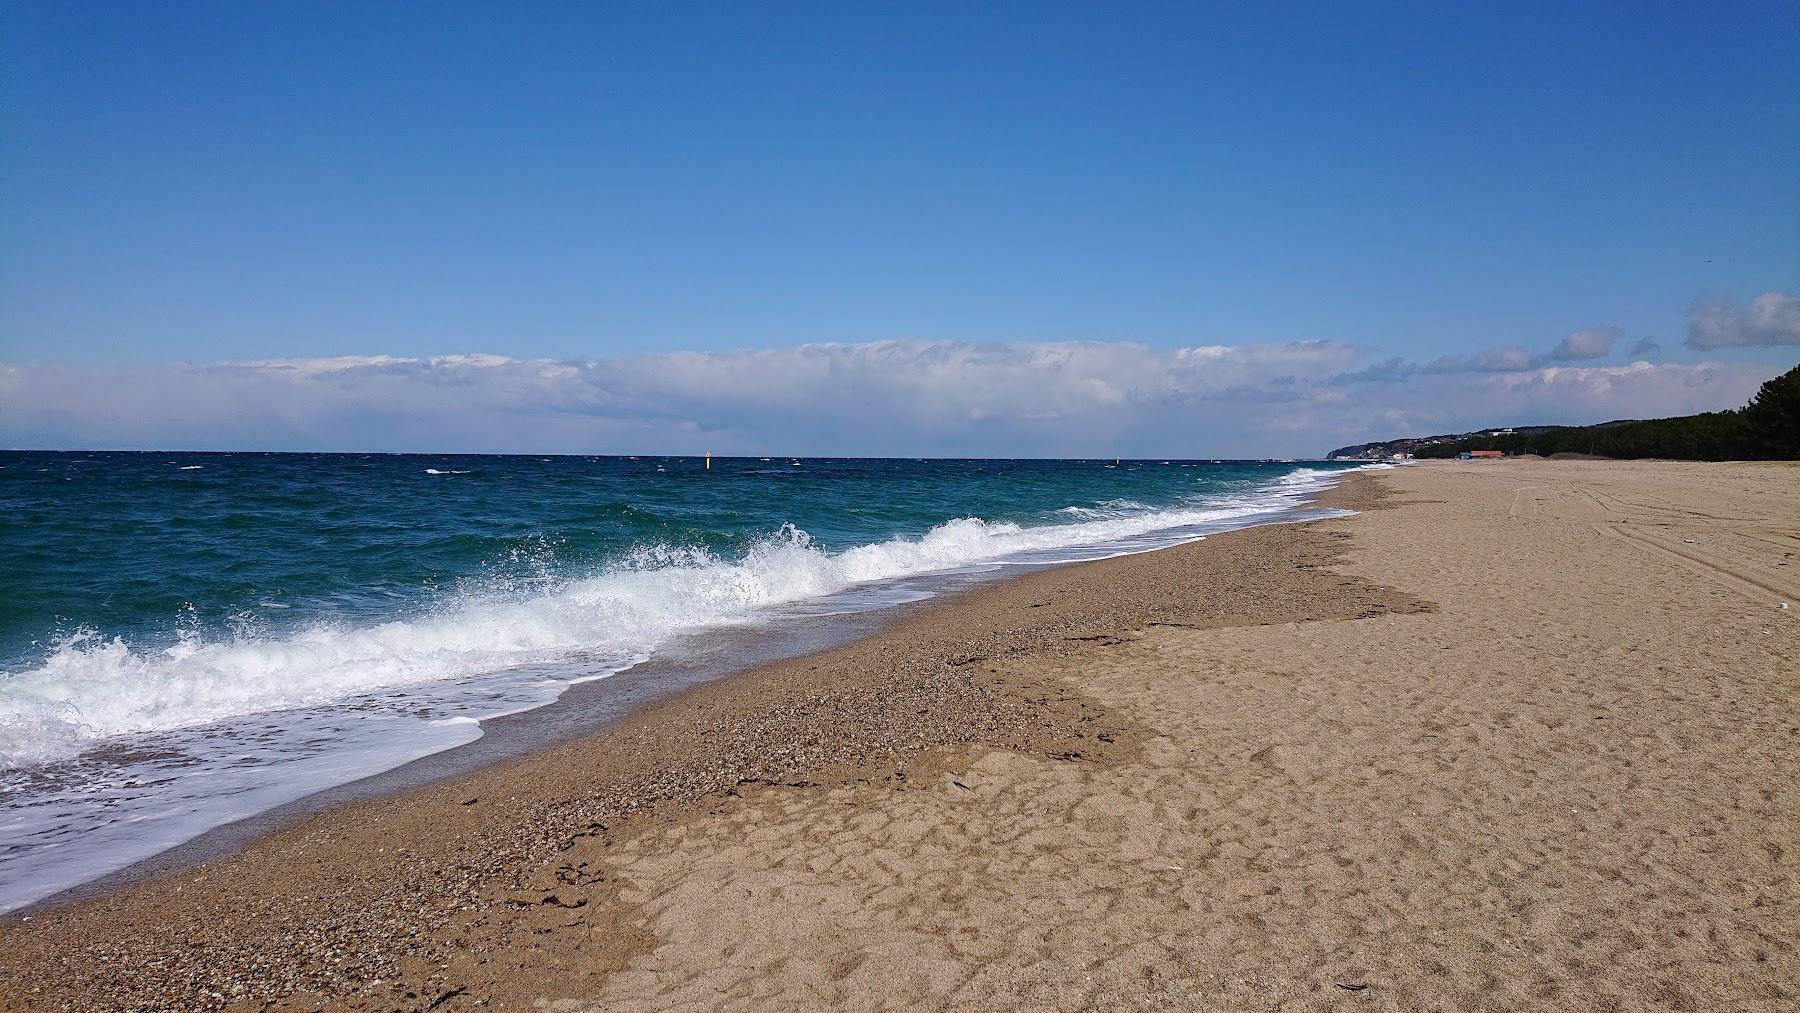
x=709, y=460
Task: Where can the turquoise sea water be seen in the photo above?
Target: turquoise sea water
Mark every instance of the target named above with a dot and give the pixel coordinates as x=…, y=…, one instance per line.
x=190, y=638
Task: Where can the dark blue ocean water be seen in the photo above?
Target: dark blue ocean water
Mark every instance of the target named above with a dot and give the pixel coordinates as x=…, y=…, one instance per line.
x=186, y=638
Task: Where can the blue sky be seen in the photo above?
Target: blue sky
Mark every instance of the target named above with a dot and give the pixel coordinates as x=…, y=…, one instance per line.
x=205, y=183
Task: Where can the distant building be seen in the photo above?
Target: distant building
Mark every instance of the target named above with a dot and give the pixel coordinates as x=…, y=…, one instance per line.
x=1472, y=455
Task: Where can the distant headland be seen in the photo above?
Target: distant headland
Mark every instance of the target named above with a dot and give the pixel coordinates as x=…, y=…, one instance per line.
x=1768, y=428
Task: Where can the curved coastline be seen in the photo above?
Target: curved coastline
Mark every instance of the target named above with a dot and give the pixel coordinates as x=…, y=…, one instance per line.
x=591, y=707
x=1373, y=751
x=386, y=893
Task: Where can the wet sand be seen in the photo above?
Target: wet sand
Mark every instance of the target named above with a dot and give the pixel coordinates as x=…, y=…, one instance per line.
x=1519, y=735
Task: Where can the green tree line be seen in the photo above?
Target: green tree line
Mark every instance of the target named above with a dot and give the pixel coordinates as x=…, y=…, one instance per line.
x=1768, y=428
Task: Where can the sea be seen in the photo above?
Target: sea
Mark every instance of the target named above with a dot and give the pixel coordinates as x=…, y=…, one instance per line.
x=189, y=639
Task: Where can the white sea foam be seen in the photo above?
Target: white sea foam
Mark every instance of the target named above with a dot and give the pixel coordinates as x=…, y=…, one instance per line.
x=90, y=689
x=1106, y=508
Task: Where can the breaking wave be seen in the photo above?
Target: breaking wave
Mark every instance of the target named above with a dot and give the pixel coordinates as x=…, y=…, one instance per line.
x=90, y=688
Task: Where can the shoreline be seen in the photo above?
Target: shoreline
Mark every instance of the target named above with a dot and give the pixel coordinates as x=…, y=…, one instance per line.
x=584, y=709
x=593, y=707
x=1513, y=736
x=890, y=697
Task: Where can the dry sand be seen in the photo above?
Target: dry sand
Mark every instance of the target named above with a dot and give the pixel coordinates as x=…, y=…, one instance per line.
x=1526, y=735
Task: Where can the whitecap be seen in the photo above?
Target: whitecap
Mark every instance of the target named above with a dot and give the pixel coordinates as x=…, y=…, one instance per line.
x=90, y=688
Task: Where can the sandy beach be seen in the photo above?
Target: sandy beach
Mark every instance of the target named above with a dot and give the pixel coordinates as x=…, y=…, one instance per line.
x=1517, y=735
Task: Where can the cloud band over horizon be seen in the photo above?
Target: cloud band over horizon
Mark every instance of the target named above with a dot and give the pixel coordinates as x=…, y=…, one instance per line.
x=899, y=397
x=1771, y=319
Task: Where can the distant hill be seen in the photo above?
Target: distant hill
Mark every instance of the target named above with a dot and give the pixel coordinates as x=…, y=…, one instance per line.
x=1768, y=428
x=1413, y=445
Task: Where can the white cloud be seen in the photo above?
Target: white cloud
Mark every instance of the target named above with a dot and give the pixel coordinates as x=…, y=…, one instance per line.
x=1590, y=343
x=1772, y=318
x=1492, y=360
x=890, y=397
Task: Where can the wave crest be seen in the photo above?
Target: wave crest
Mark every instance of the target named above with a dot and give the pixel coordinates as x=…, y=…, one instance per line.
x=91, y=688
